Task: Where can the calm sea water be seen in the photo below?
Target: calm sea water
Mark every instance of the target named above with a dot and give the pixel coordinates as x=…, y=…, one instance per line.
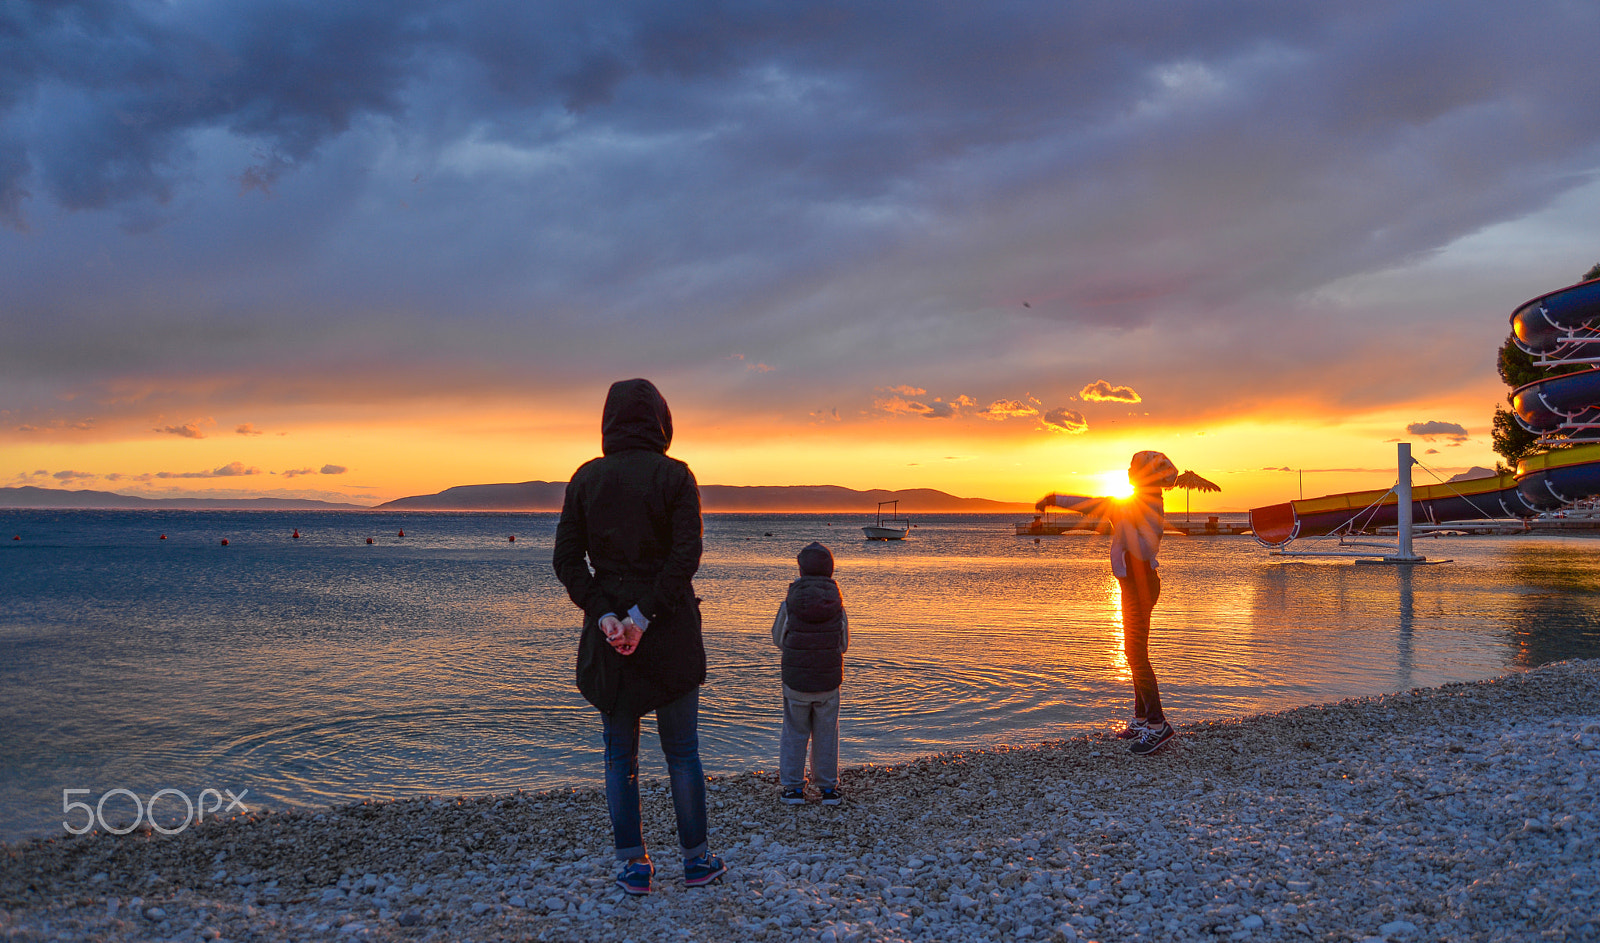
x=323, y=669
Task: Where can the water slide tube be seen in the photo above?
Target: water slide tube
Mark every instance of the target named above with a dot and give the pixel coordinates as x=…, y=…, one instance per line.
x=1559, y=327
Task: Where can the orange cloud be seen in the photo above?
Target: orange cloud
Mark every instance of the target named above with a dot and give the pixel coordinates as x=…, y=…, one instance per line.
x=1009, y=409
x=1101, y=391
x=188, y=430
x=248, y=429
x=937, y=409
x=1068, y=421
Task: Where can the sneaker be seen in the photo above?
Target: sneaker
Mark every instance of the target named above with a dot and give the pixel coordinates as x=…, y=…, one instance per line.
x=1152, y=739
x=831, y=797
x=1135, y=727
x=795, y=796
x=635, y=877
x=700, y=871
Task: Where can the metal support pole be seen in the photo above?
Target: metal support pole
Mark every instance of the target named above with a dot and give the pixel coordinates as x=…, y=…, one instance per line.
x=1403, y=496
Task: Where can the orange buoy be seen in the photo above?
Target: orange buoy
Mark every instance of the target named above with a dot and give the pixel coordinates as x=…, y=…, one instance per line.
x=296, y=534
x=163, y=536
x=402, y=533
x=369, y=540
x=18, y=537
x=224, y=541
x=512, y=538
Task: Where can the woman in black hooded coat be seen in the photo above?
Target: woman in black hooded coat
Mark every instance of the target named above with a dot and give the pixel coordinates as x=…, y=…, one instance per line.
x=627, y=549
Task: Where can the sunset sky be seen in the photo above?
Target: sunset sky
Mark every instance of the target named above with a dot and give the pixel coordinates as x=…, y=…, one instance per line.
x=361, y=250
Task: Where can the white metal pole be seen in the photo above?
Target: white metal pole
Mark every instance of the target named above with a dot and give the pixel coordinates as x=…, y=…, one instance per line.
x=1403, y=495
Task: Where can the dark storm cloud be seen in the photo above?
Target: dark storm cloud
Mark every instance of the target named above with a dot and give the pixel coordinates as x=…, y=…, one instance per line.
x=306, y=200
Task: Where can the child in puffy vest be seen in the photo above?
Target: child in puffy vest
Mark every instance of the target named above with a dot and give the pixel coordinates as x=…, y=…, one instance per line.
x=813, y=633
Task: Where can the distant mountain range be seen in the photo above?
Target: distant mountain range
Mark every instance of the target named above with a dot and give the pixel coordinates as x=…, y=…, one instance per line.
x=29, y=496
x=539, y=496
x=547, y=496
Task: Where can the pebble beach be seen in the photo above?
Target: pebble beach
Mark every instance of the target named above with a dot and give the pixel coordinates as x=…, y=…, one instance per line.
x=1465, y=812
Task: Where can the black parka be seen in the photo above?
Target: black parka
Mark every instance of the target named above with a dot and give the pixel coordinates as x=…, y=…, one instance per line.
x=630, y=535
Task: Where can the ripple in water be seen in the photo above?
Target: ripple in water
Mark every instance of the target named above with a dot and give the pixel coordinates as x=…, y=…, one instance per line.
x=326, y=670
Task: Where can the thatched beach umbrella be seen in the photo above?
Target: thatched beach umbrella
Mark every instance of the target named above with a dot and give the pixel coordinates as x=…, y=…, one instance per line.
x=1189, y=481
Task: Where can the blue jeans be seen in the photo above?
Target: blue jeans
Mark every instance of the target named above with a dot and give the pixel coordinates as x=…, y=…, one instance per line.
x=678, y=723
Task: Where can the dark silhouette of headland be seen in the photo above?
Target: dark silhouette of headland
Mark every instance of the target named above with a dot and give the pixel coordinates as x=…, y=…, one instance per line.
x=547, y=495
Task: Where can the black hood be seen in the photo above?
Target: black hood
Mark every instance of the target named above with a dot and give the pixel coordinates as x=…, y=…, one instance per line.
x=636, y=417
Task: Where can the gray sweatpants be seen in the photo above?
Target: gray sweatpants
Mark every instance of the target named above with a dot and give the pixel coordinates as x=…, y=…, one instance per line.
x=810, y=717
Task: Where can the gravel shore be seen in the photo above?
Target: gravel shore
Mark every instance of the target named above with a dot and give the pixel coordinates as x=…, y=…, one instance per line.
x=1466, y=812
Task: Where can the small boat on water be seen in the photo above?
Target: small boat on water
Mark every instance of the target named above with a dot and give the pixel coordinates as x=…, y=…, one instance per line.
x=889, y=527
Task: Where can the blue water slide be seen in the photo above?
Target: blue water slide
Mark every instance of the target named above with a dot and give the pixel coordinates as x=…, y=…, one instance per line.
x=1545, y=324
x=1551, y=488
x=1556, y=403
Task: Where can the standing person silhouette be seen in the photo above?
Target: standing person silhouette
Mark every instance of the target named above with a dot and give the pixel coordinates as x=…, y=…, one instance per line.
x=1136, y=526
x=633, y=515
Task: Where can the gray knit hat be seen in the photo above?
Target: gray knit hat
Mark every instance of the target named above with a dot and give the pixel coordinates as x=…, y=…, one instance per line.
x=815, y=560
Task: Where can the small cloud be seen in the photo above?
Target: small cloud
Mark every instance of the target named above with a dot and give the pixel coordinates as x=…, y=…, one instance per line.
x=1009, y=409
x=188, y=430
x=71, y=475
x=938, y=408
x=1069, y=421
x=825, y=415
x=1283, y=468
x=231, y=470
x=1101, y=391
x=1438, y=430
x=58, y=425
x=324, y=470
x=906, y=390
x=754, y=367
x=895, y=404
x=1431, y=452
x=248, y=429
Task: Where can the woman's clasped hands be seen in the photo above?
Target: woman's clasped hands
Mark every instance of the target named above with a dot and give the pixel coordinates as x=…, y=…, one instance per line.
x=623, y=634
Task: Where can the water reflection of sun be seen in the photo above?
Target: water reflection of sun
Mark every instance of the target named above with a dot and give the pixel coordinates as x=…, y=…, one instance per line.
x=1119, y=657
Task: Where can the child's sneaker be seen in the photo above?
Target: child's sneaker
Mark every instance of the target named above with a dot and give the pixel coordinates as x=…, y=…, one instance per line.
x=1152, y=739
x=795, y=796
x=831, y=797
x=1135, y=727
x=635, y=877
x=700, y=871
